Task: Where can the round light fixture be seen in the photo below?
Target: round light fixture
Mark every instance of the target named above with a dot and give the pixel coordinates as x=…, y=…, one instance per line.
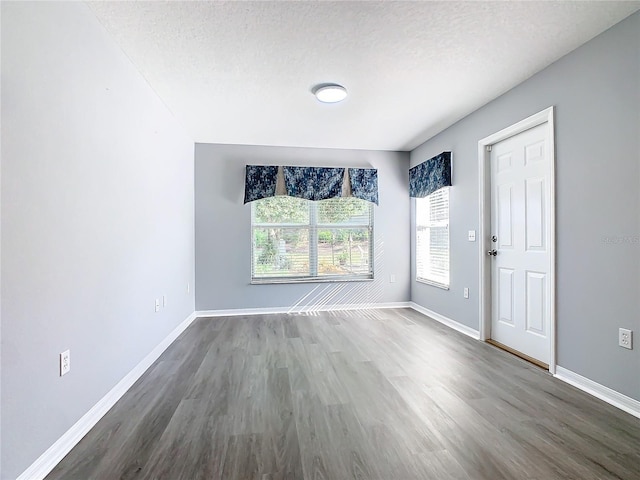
x=330, y=93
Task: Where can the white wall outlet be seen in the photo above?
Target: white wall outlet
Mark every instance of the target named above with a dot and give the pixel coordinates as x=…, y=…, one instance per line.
x=65, y=362
x=465, y=292
x=392, y=278
x=625, y=338
x=164, y=301
x=157, y=304
x=472, y=235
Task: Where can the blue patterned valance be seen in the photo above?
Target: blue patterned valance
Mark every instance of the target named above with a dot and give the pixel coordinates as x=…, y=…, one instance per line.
x=313, y=183
x=259, y=182
x=431, y=175
x=364, y=184
x=310, y=183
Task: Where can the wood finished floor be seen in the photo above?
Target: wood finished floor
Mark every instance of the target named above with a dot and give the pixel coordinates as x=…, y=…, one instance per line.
x=379, y=394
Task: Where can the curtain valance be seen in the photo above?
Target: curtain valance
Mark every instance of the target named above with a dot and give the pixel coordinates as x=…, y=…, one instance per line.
x=260, y=182
x=364, y=184
x=310, y=183
x=313, y=183
x=430, y=175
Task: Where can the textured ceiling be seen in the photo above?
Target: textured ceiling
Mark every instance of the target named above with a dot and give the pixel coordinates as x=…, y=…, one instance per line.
x=242, y=72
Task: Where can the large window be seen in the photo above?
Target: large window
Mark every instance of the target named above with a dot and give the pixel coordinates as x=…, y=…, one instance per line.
x=299, y=240
x=432, y=238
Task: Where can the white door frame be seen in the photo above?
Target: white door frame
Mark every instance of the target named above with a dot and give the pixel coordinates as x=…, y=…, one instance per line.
x=484, y=165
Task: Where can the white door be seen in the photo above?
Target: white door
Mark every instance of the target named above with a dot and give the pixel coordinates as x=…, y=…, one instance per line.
x=521, y=242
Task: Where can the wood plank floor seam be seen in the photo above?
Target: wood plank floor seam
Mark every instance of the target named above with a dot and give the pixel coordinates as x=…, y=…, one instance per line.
x=385, y=394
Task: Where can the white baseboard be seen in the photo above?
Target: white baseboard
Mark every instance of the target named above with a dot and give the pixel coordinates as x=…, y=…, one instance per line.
x=299, y=309
x=54, y=454
x=610, y=396
x=606, y=394
x=446, y=321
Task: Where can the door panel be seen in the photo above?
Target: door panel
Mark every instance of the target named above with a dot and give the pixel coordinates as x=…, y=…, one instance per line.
x=505, y=295
x=505, y=236
x=534, y=152
x=504, y=162
x=535, y=321
x=520, y=200
x=535, y=215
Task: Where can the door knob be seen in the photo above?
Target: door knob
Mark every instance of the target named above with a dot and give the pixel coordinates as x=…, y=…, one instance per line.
x=492, y=253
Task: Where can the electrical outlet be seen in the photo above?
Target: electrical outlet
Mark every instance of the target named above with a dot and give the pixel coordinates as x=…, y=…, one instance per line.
x=465, y=292
x=625, y=338
x=157, y=304
x=392, y=278
x=65, y=362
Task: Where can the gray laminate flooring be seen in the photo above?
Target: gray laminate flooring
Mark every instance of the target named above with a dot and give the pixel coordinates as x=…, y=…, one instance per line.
x=380, y=394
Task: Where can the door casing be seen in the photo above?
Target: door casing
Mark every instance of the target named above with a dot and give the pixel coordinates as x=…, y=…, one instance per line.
x=484, y=192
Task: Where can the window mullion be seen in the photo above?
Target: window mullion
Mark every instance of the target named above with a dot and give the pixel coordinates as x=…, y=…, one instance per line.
x=313, y=239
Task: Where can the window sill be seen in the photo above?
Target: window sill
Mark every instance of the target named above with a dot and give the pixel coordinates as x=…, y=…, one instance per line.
x=277, y=281
x=433, y=284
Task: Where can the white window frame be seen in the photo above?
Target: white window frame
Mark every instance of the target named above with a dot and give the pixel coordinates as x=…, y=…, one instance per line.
x=313, y=226
x=426, y=269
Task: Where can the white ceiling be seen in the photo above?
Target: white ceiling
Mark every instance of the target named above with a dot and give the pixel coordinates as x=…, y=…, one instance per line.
x=242, y=72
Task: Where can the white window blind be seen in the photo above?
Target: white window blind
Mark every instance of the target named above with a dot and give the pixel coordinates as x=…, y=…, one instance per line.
x=300, y=240
x=432, y=238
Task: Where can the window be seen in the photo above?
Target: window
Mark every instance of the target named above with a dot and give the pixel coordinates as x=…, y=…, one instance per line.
x=432, y=238
x=300, y=240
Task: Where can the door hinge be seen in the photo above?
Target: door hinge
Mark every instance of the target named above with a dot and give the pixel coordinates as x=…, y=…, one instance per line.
x=488, y=148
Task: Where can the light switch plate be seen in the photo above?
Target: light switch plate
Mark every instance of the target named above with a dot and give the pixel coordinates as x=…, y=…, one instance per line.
x=472, y=235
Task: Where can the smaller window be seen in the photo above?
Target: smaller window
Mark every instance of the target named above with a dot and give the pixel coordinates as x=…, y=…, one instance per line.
x=432, y=238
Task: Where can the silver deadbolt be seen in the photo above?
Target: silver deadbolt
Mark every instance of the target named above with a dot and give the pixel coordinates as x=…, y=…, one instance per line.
x=492, y=253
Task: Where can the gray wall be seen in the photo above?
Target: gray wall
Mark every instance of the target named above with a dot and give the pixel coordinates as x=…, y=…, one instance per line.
x=97, y=221
x=596, y=91
x=223, y=234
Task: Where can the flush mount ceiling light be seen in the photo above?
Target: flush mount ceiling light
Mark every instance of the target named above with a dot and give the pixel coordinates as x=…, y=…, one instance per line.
x=330, y=93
